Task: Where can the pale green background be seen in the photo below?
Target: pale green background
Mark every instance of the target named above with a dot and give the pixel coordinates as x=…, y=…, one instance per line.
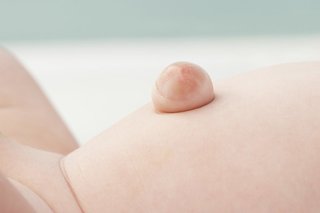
x=80, y=19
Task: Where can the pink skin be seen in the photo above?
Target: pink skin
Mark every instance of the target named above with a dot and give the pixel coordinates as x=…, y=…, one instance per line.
x=182, y=86
x=29, y=117
x=32, y=177
x=34, y=133
x=12, y=200
x=254, y=149
x=36, y=174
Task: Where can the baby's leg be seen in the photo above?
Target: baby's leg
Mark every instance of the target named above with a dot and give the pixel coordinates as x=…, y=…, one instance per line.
x=25, y=113
x=36, y=175
x=11, y=200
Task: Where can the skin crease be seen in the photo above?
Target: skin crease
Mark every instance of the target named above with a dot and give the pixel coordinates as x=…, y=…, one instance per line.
x=28, y=154
x=29, y=196
x=11, y=200
x=36, y=174
x=255, y=148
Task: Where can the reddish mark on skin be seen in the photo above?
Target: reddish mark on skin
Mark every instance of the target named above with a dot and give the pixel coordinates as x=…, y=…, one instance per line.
x=180, y=81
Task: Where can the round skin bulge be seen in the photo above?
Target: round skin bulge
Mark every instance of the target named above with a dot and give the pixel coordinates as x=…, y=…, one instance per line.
x=182, y=86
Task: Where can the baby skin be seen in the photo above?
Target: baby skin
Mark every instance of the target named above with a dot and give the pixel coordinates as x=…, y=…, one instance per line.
x=252, y=145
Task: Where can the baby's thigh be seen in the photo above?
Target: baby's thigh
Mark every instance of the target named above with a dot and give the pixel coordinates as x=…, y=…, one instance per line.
x=35, y=177
x=11, y=200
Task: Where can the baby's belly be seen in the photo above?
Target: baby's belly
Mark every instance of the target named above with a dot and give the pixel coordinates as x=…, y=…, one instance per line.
x=255, y=148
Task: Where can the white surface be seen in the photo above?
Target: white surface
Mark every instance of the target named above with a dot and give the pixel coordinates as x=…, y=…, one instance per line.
x=95, y=83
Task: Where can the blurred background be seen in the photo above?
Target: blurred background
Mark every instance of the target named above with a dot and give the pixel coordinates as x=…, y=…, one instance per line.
x=83, y=19
x=97, y=60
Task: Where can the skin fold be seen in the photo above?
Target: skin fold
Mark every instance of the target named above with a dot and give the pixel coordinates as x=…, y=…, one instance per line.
x=33, y=139
x=11, y=199
x=36, y=174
